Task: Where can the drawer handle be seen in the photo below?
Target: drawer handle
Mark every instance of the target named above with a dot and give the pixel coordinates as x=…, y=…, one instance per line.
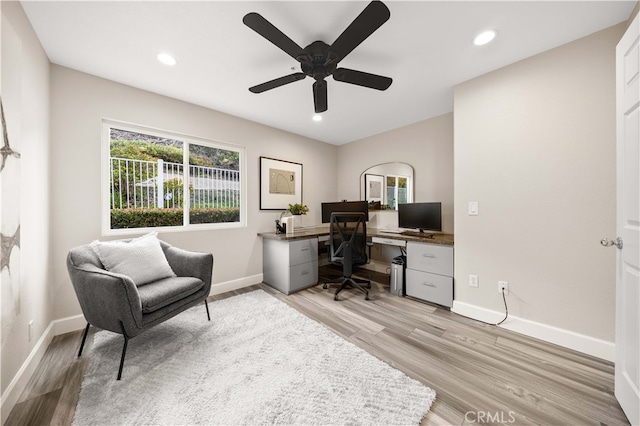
x=430, y=256
x=304, y=249
x=306, y=272
x=428, y=284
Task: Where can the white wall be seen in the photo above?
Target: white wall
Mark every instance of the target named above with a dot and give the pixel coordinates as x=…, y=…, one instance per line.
x=79, y=103
x=535, y=146
x=35, y=271
x=426, y=145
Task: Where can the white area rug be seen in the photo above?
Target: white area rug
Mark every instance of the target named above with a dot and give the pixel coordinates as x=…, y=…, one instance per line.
x=258, y=361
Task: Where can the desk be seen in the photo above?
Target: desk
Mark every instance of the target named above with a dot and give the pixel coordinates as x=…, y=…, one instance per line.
x=290, y=261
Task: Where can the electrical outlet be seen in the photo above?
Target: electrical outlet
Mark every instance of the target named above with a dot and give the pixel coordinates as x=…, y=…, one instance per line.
x=30, y=326
x=503, y=285
x=473, y=280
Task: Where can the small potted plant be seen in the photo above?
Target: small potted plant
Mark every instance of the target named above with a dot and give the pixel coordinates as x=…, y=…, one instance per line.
x=298, y=209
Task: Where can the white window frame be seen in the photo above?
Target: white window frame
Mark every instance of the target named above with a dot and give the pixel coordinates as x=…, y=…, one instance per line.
x=397, y=187
x=107, y=124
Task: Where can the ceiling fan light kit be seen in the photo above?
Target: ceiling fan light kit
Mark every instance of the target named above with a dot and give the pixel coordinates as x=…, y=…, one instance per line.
x=320, y=60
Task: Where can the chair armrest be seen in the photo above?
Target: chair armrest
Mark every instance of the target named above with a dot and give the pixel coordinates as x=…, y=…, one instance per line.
x=190, y=264
x=106, y=298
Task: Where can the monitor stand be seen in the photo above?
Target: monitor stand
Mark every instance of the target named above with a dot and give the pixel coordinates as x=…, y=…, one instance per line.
x=419, y=234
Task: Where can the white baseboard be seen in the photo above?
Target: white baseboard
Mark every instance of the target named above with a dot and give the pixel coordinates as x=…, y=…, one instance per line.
x=235, y=284
x=19, y=382
x=77, y=322
x=69, y=324
x=73, y=323
x=558, y=336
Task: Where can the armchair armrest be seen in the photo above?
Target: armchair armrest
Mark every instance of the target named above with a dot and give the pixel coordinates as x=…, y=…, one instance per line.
x=190, y=264
x=106, y=298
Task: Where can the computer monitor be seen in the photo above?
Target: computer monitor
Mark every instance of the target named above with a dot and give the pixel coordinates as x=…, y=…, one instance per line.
x=344, y=206
x=421, y=216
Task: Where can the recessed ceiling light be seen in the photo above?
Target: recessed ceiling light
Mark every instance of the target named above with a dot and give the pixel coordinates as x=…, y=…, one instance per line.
x=166, y=59
x=317, y=117
x=485, y=37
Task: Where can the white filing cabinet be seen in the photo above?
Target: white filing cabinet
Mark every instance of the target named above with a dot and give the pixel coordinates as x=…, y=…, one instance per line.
x=430, y=273
x=290, y=265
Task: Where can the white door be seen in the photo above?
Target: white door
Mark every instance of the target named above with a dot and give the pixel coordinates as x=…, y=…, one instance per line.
x=627, y=368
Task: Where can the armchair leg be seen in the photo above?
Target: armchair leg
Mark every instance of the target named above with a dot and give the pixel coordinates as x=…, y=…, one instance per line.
x=124, y=351
x=84, y=338
x=206, y=305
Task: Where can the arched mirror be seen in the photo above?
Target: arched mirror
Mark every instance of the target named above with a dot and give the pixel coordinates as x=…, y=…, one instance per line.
x=386, y=185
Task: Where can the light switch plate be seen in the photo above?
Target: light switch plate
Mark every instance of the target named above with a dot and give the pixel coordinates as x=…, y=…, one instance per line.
x=473, y=208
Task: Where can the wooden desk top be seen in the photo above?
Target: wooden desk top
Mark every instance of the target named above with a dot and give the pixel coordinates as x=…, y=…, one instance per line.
x=318, y=231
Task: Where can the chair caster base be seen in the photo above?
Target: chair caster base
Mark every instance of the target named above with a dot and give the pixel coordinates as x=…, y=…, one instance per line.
x=348, y=282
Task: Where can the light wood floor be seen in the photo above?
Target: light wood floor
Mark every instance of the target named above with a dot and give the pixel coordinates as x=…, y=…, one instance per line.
x=482, y=374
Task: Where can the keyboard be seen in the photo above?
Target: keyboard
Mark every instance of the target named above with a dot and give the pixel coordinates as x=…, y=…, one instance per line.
x=392, y=230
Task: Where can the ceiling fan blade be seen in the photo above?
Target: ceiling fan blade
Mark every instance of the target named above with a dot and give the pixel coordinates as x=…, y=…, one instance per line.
x=266, y=29
x=320, y=96
x=361, y=78
x=369, y=20
x=277, y=82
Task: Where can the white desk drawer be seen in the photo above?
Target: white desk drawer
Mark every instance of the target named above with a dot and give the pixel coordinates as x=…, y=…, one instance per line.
x=388, y=241
x=430, y=258
x=303, y=251
x=430, y=287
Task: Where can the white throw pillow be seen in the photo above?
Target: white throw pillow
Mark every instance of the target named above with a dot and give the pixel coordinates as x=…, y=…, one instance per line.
x=141, y=259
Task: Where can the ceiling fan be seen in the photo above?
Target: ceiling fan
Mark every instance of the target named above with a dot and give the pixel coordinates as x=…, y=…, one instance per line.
x=320, y=60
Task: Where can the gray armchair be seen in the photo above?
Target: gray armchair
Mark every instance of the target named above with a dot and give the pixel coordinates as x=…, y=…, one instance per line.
x=113, y=302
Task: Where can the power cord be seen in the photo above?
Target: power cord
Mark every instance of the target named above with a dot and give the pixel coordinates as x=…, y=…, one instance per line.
x=506, y=309
x=506, y=313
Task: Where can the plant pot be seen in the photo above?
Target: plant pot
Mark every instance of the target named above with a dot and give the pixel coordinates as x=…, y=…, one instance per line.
x=298, y=221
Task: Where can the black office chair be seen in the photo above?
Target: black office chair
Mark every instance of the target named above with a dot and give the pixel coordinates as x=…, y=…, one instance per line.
x=347, y=247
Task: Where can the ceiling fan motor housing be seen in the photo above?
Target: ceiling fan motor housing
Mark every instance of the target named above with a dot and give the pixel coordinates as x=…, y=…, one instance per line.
x=318, y=61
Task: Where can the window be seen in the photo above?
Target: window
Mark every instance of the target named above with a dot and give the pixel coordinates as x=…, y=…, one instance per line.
x=155, y=179
x=397, y=191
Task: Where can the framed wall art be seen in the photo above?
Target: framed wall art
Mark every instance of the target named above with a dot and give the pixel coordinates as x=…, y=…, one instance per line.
x=374, y=188
x=280, y=184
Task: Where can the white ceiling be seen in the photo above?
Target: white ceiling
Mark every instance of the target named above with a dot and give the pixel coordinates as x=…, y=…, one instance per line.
x=426, y=47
